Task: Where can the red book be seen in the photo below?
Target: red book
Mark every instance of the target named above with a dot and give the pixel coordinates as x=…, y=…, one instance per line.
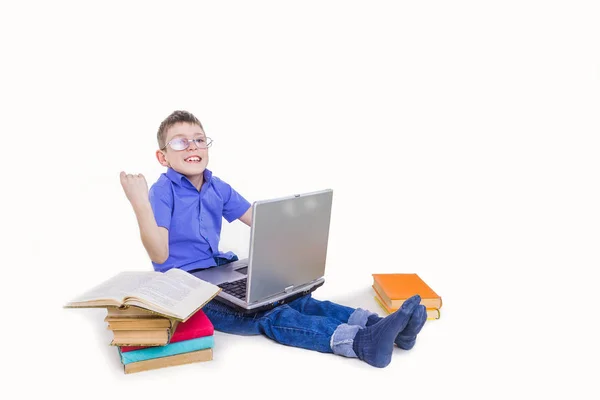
x=197, y=326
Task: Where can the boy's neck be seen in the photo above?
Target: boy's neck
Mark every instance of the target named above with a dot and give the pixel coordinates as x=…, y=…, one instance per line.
x=196, y=180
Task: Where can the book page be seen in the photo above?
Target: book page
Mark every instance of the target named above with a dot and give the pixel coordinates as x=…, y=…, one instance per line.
x=178, y=292
x=117, y=288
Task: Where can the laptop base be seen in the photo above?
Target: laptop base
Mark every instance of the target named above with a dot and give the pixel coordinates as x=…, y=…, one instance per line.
x=268, y=306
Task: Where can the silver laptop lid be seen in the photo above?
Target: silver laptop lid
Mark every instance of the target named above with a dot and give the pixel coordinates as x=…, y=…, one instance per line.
x=288, y=245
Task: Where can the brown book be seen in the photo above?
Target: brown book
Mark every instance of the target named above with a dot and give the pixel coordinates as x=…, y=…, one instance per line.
x=432, y=313
x=169, y=361
x=132, y=324
x=157, y=337
x=395, y=289
x=131, y=312
x=176, y=294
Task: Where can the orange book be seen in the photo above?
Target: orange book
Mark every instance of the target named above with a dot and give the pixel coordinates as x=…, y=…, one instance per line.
x=432, y=313
x=395, y=289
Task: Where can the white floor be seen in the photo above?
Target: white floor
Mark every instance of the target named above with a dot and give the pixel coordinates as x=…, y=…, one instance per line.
x=241, y=363
x=473, y=351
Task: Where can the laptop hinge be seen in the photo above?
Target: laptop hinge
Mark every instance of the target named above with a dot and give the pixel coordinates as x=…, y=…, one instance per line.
x=288, y=289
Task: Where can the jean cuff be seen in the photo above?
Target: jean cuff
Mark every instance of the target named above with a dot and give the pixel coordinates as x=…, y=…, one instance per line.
x=359, y=317
x=342, y=340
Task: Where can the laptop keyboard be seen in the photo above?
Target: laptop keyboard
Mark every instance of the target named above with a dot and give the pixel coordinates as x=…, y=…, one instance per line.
x=236, y=288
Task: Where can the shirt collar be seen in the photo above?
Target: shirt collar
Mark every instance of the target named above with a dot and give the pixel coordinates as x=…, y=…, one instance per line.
x=178, y=178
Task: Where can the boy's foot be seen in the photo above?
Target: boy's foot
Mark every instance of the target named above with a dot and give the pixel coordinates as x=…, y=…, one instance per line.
x=407, y=338
x=375, y=344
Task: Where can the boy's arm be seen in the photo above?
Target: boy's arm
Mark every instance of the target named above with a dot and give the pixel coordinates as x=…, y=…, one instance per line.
x=155, y=238
x=247, y=217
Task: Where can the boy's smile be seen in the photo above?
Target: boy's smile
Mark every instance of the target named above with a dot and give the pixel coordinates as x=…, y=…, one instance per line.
x=191, y=161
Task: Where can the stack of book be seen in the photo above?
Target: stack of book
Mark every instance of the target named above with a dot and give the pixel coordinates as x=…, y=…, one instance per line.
x=391, y=290
x=138, y=326
x=192, y=341
x=155, y=318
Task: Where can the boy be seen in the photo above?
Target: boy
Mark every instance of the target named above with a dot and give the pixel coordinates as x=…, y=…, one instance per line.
x=180, y=225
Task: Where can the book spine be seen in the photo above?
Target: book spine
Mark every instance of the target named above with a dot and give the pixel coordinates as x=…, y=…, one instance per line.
x=178, y=336
x=185, y=346
x=163, y=362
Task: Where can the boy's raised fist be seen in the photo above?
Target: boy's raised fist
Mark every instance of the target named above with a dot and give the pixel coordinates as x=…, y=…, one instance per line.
x=135, y=187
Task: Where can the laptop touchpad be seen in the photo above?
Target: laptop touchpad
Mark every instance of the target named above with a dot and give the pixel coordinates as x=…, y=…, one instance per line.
x=243, y=270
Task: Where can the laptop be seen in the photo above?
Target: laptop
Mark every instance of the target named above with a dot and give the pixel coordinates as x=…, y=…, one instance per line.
x=288, y=248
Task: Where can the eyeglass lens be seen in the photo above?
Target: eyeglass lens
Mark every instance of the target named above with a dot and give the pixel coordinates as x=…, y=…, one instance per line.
x=184, y=143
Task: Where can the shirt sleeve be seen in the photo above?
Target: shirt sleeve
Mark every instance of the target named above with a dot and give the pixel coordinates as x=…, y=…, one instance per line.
x=234, y=204
x=161, y=200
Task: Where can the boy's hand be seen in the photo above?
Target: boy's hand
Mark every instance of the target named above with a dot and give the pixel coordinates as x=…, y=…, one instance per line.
x=135, y=187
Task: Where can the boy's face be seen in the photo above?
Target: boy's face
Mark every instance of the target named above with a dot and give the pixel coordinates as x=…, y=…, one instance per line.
x=191, y=161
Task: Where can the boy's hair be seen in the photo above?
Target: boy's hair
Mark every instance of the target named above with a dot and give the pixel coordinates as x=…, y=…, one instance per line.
x=174, y=118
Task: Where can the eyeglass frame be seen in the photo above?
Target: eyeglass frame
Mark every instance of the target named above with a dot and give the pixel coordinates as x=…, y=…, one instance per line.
x=208, y=140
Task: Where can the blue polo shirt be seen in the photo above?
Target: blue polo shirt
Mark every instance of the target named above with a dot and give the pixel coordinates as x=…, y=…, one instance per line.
x=194, y=218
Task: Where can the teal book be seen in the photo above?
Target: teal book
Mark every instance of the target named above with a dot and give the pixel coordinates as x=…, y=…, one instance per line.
x=171, y=349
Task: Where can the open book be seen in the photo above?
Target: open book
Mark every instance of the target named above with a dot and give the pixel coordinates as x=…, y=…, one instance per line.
x=175, y=294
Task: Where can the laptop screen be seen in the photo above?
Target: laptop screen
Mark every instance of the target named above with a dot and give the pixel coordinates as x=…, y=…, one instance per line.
x=289, y=243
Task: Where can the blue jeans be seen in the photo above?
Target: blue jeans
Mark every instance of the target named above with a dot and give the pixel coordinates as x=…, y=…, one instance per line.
x=305, y=322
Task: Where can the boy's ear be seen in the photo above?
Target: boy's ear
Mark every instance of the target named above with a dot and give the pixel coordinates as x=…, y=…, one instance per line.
x=160, y=156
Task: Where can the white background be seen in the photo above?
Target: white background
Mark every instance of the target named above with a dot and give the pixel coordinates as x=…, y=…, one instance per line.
x=460, y=138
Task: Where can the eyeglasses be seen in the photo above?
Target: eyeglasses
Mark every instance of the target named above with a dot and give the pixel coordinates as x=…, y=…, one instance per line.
x=179, y=144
